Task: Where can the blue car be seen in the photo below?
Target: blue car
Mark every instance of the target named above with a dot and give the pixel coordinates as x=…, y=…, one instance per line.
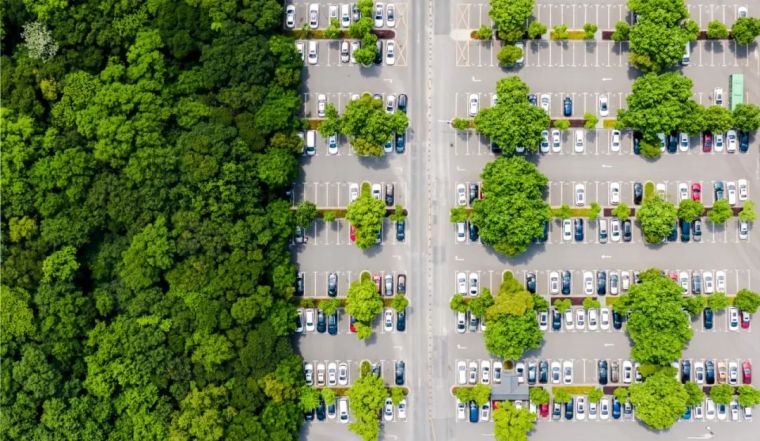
x=567, y=108
x=556, y=320
x=707, y=314
x=474, y=412
x=401, y=321
x=400, y=142
x=569, y=409
x=332, y=324
x=615, y=408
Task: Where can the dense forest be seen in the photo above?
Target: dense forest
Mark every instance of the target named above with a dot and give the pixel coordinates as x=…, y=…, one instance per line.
x=147, y=150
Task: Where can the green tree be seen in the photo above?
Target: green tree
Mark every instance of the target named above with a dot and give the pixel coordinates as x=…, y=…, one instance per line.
x=657, y=45
x=460, y=123
x=622, y=211
x=563, y=212
x=595, y=395
x=367, y=396
x=481, y=394
x=561, y=395
x=562, y=305
x=694, y=394
x=559, y=32
x=512, y=213
x=690, y=210
x=509, y=337
x=481, y=303
x=333, y=29
x=717, y=301
x=594, y=211
x=397, y=394
x=722, y=393
x=458, y=303
x=621, y=393
x=746, y=117
x=591, y=120
x=484, y=33
x=717, y=119
x=745, y=30
x=748, y=213
x=657, y=217
x=398, y=214
x=329, y=216
x=659, y=401
x=306, y=213
x=399, y=302
x=366, y=215
x=720, y=212
x=511, y=423
x=328, y=394
x=748, y=396
x=309, y=398
x=561, y=124
x=458, y=214
x=536, y=29
x=590, y=30
x=694, y=305
x=747, y=300
x=508, y=55
x=716, y=30
x=510, y=17
x=363, y=331
x=622, y=31
x=591, y=303
x=329, y=306
x=464, y=394
x=539, y=395
x=363, y=301
x=358, y=29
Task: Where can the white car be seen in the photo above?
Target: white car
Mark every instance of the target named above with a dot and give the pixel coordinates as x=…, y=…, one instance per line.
x=615, y=141
x=402, y=409
x=567, y=371
x=462, y=372
x=733, y=318
x=567, y=229
x=343, y=410
x=661, y=190
x=580, y=408
x=592, y=410
x=579, y=141
x=614, y=193
x=734, y=406
x=461, y=228
x=722, y=412
x=743, y=230
x=379, y=11
x=731, y=141
x=313, y=52
x=554, y=282
x=699, y=372
x=720, y=281
x=301, y=50
x=556, y=372
x=390, y=15
x=588, y=283
x=604, y=109
x=309, y=314
x=388, y=320
x=462, y=283
x=321, y=105
x=593, y=319
x=543, y=320
x=494, y=100
x=345, y=15
x=683, y=280
x=544, y=141
x=332, y=144
x=377, y=191
x=474, y=289
x=320, y=374
x=290, y=16
x=741, y=12
x=556, y=141
x=485, y=371
x=390, y=103
x=710, y=409
x=580, y=195
x=308, y=373
x=460, y=410
x=354, y=46
x=390, y=53
x=314, y=15
x=497, y=367
x=332, y=373
x=485, y=411
x=388, y=410
x=520, y=371
x=731, y=190
x=461, y=195
x=683, y=142
x=625, y=280
x=627, y=371
x=709, y=282
x=569, y=319
x=718, y=96
x=699, y=411
x=345, y=51
x=473, y=375
x=353, y=191
x=343, y=374
x=733, y=373
x=615, y=230
x=604, y=408
x=683, y=191
x=743, y=189
x=604, y=320
x=580, y=318
x=474, y=104
x=545, y=102
x=719, y=142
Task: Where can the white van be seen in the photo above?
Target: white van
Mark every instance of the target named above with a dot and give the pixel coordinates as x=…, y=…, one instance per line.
x=686, y=54
x=579, y=141
x=311, y=142
x=343, y=409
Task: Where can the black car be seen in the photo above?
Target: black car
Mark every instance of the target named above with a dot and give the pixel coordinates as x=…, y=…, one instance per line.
x=707, y=316
x=532, y=374
x=376, y=370
x=400, y=230
x=557, y=411
x=332, y=285
x=685, y=371
x=710, y=372
x=473, y=230
x=578, y=224
x=603, y=372
x=697, y=230
x=402, y=102
x=321, y=410
x=638, y=193
x=673, y=142
x=400, y=367
x=569, y=409
x=401, y=321
x=743, y=142
x=617, y=320
x=685, y=230
x=601, y=283
x=300, y=236
x=567, y=107
x=696, y=283
x=309, y=415
x=495, y=148
x=673, y=236
x=627, y=235
x=556, y=320
x=379, y=52
x=532, y=99
x=473, y=192
x=543, y=371
x=389, y=194
x=637, y=142
x=530, y=282
x=299, y=284
x=299, y=323
x=321, y=321
x=400, y=142
x=401, y=284
x=566, y=282
x=332, y=324
x=545, y=235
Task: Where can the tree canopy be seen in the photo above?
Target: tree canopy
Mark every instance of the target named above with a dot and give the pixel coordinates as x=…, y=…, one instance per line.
x=512, y=423
x=366, y=215
x=510, y=17
x=660, y=400
x=657, y=218
x=363, y=300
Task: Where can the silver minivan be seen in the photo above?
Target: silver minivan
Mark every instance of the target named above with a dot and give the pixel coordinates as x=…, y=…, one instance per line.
x=603, y=231
x=311, y=142
x=686, y=54
x=343, y=409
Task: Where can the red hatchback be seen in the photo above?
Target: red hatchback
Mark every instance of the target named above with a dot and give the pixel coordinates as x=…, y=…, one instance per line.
x=696, y=191
x=377, y=280
x=352, y=233
x=707, y=141
x=544, y=410
x=744, y=315
x=746, y=372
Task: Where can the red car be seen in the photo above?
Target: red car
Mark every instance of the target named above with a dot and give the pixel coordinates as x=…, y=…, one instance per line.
x=707, y=142
x=673, y=276
x=377, y=280
x=352, y=327
x=696, y=191
x=746, y=372
x=544, y=410
x=352, y=233
x=745, y=319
